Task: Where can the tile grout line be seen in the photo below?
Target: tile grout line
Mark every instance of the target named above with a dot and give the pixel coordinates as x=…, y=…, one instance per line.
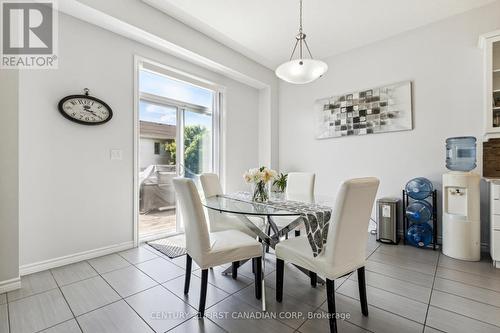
x=423, y=324
x=432, y=290
x=138, y=315
x=230, y=294
x=136, y=248
x=467, y=298
x=220, y=301
x=251, y=305
x=379, y=245
x=496, y=279
x=223, y=299
x=336, y=289
x=161, y=284
x=35, y=294
x=465, y=316
x=50, y=327
x=384, y=310
x=468, y=284
x=113, y=270
x=75, y=282
x=401, y=267
x=400, y=279
x=190, y=318
x=259, y=308
x=393, y=292
x=65, y=300
x=390, y=292
x=121, y=298
x=405, y=256
x=149, y=276
x=379, y=261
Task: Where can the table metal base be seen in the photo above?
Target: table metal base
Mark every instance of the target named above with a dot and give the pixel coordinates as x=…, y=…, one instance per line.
x=272, y=241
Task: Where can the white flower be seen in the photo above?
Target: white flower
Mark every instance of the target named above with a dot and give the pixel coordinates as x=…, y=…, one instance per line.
x=256, y=175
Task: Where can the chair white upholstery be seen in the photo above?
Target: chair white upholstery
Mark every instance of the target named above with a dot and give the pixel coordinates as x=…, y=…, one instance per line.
x=223, y=221
x=345, y=248
x=209, y=249
x=300, y=187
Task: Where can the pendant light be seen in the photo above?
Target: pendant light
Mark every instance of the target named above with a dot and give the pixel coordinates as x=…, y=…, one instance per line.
x=301, y=71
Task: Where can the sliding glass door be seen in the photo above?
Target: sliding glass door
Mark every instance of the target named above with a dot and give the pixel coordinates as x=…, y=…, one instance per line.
x=176, y=138
x=197, y=143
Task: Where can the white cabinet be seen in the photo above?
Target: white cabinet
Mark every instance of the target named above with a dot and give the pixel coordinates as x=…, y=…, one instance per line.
x=491, y=46
x=495, y=222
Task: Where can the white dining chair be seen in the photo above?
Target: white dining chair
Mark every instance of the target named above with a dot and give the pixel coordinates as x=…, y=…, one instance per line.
x=300, y=186
x=218, y=221
x=344, y=251
x=210, y=249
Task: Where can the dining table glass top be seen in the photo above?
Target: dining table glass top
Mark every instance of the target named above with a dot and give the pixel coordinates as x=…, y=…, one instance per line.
x=241, y=203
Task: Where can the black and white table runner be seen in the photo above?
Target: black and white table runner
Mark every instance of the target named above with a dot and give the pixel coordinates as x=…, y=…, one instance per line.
x=316, y=217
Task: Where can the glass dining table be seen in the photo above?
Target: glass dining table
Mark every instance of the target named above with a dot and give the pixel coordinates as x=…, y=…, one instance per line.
x=243, y=208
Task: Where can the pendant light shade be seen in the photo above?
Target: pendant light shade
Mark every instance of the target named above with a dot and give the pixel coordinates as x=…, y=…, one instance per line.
x=301, y=71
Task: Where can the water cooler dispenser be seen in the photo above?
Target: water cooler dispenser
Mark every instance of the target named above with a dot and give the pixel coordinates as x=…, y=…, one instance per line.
x=461, y=194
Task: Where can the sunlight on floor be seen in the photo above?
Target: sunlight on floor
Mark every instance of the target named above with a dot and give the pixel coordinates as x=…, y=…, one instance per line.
x=157, y=222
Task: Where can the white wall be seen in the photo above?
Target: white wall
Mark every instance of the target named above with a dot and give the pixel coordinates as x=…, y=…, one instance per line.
x=445, y=65
x=9, y=181
x=73, y=197
x=153, y=21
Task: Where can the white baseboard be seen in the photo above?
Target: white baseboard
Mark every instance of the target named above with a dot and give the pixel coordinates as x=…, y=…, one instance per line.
x=9, y=285
x=72, y=258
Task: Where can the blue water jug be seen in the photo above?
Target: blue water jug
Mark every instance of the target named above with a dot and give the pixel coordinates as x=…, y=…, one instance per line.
x=419, y=188
x=461, y=153
x=419, y=211
x=419, y=235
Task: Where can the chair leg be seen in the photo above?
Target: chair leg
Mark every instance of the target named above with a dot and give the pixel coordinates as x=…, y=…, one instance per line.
x=187, y=278
x=280, y=272
x=268, y=232
x=362, y=291
x=257, y=263
x=330, y=293
x=235, y=266
x=203, y=293
x=314, y=279
x=297, y=233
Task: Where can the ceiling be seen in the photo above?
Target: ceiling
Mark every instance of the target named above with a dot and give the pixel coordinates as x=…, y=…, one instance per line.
x=264, y=30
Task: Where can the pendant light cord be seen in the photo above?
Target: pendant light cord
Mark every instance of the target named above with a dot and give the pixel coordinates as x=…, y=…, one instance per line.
x=301, y=35
x=300, y=18
x=300, y=38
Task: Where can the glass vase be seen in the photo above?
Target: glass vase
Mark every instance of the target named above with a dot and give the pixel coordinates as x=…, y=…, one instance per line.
x=260, y=192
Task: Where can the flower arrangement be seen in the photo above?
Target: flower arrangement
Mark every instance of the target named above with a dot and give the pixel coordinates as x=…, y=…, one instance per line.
x=259, y=178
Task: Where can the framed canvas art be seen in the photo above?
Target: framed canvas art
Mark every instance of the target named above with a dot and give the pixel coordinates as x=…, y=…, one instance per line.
x=377, y=110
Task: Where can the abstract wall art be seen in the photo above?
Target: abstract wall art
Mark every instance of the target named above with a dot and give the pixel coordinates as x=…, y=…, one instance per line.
x=377, y=110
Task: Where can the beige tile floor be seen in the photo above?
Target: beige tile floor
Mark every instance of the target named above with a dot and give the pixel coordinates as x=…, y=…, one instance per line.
x=140, y=290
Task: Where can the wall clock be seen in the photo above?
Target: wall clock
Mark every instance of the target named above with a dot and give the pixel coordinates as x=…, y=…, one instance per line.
x=85, y=109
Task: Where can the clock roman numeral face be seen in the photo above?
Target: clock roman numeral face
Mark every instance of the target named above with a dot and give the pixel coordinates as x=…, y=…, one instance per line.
x=86, y=110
